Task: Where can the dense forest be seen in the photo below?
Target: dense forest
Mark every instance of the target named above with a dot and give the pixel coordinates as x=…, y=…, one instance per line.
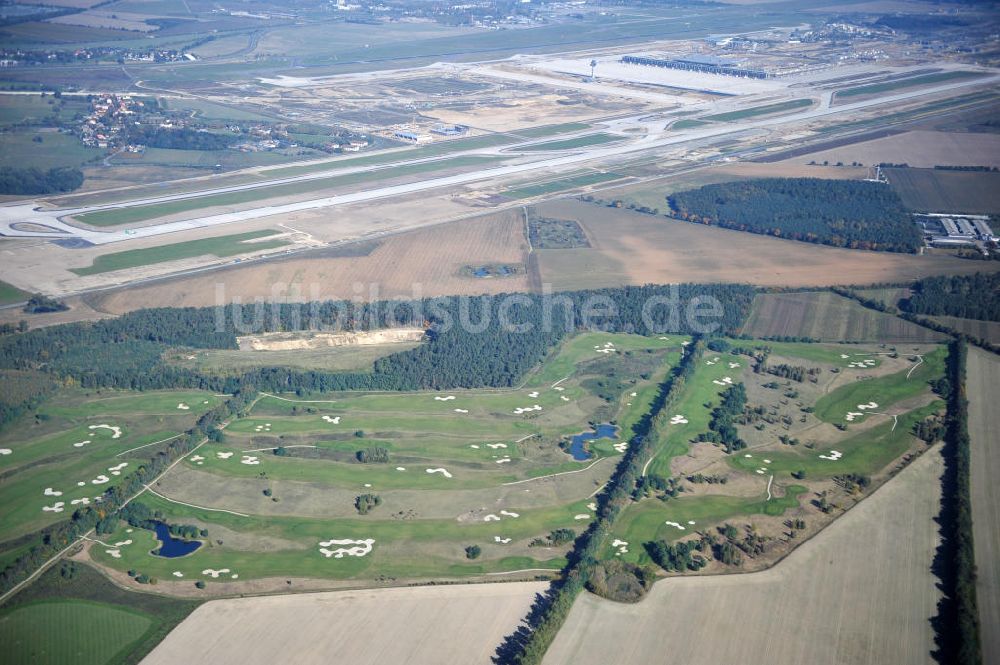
x=965, y=296
x=127, y=352
x=181, y=139
x=37, y=181
x=843, y=213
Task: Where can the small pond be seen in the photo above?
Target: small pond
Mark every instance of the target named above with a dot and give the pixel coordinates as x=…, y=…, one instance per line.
x=171, y=547
x=577, y=448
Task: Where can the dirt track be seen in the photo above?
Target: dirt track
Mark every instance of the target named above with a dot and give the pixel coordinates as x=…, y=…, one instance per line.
x=417, y=626
x=859, y=592
x=983, y=390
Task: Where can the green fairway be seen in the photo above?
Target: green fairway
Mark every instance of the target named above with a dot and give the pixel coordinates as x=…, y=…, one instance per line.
x=767, y=109
x=865, y=453
x=70, y=631
x=130, y=214
x=883, y=391
x=221, y=246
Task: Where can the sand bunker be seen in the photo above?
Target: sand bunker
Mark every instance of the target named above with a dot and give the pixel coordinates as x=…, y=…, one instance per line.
x=869, y=405
x=444, y=472
x=526, y=409
x=461, y=410
x=564, y=398
x=183, y=407
x=57, y=507
x=861, y=364
x=592, y=506
x=533, y=393
x=509, y=514
x=472, y=445
x=51, y=492
x=726, y=381
x=361, y=548
x=621, y=546
x=558, y=389
x=263, y=428
x=678, y=420
x=224, y=455
x=675, y=524
x=496, y=445
x=100, y=480
x=115, y=554
x=197, y=459
x=581, y=516
x=178, y=573
x=733, y=365
x=214, y=573
x=833, y=455
x=767, y=461
x=445, y=399
x=621, y=446
x=851, y=415
x=685, y=343
x=116, y=432
x=123, y=543
x=116, y=470
x=81, y=444
x=748, y=455
x=335, y=420
x=82, y=502
x=503, y=460
x=502, y=541
x=250, y=460
x=491, y=518
x=5, y=451
x=400, y=468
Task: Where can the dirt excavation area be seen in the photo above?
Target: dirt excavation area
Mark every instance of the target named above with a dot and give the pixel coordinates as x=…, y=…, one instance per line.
x=983, y=390
x=859, y=592
x=418, y=626
x=281, y=341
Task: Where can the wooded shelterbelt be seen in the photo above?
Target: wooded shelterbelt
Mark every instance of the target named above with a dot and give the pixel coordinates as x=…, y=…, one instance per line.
x=127, y=352
x=842, y=213
x=36, y=181
x=965, y=296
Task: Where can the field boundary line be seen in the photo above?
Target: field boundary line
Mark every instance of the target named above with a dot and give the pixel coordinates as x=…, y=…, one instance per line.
x=525, y=570
x=303, y=401
x=191, y=505
x=553, y=475
x=297, y=445
x=147, y=445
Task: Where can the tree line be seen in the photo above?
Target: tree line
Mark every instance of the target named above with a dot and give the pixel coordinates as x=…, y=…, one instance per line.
x=36, y=181
x=527, y=645
x=965, y=296
x=127, y=352
x=842, y=213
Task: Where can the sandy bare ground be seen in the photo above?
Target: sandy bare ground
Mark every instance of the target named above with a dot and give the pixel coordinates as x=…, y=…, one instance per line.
x=918, y=148
x=634, y=248
x=418, y=626
x=859, y=592
x=983, y=390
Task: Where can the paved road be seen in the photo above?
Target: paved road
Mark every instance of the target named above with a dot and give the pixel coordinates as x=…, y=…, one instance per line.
x=15, y=215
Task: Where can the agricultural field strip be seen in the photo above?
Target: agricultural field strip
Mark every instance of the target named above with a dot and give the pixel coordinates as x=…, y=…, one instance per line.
x=26, y=213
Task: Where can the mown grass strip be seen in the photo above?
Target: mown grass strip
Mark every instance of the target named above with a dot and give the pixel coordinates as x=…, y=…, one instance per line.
x=221, y=247
x=911, y=82
x=768, y=109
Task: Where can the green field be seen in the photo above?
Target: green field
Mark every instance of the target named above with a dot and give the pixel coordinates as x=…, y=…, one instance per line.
x=73, y=614
x=902, y=84
x=569, y=144
x=71, y=631
x=221, y=246
x=937, y=190
x=127, y=215
x=11, y=294
x=56, y=150
x=581, y=180
x=755, y=111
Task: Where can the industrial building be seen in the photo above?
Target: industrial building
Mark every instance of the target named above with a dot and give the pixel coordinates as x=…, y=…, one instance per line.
x=698, y=63
x=945, y=229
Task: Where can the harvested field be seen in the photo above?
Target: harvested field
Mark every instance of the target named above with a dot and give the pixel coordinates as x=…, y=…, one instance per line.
x=829, y=317
x=936, y=190
x=859, y=592
x=282, y=341
x=988, y=330
x=452, y=624
x=983, y=390
x=634, y=248
x=426, y=262
x=924, y=149
x=225, y=362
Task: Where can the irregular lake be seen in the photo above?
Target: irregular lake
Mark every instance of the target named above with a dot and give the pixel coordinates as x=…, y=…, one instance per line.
x=171, y=547
x=577, y=448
